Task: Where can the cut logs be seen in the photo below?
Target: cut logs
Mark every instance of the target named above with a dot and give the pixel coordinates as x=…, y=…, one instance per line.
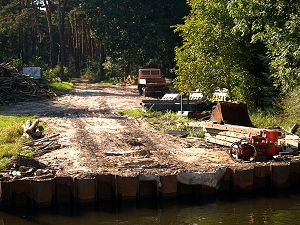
x=32, y=129
x=43, y=145
x=17, y=87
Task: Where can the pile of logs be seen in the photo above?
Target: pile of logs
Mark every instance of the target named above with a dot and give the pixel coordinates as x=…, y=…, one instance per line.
x=17, y=87
x=43, y=145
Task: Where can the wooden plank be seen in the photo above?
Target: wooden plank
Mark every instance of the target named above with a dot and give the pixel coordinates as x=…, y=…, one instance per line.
x=224, y=138
x=218, y=141
x=227, y=127
x=214, y=132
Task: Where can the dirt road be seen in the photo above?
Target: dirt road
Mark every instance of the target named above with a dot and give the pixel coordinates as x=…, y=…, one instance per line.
x=96, y=138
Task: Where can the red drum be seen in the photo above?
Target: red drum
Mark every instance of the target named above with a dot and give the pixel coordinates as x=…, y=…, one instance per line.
x=272, y=136
x=271, y=150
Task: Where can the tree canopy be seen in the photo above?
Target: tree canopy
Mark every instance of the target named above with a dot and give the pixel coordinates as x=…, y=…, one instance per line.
x=249, y=47
x=130, y=34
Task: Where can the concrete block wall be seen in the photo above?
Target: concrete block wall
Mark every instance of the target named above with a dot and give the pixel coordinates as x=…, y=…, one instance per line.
x=116, y=188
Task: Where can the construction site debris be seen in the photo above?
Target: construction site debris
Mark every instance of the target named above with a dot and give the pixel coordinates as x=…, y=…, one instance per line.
x=171, y=97
x=231, y=113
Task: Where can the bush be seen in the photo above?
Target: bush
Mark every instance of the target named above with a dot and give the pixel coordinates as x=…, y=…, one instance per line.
x=92, y=70
x=291, y=109
x=53, y=75
x=131, y=79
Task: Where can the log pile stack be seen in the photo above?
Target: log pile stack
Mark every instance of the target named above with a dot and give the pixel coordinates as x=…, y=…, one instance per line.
x=43, y=145
x=17, y=87
x=225, y=134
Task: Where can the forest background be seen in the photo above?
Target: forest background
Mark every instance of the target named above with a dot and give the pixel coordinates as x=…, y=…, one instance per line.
x=249, y=47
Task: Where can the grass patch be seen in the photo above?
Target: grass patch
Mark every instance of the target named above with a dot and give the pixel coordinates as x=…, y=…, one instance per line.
x=197, y=132
x=137, y=113
x=61, y=86
x=106, y=82
x=263, y=119
x=11, y=137
x=165, y=120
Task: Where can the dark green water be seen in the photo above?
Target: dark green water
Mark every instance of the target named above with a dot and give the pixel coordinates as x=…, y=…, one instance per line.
x=283, y=208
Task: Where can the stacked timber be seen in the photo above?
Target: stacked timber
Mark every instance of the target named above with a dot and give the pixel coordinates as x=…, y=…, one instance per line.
x=43, y=145
x=17, y=87
x=225, y=134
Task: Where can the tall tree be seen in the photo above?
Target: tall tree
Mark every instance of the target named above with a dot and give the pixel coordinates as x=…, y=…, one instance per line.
x=276, y=24
x=61, y=28
x=209, y=56
x=48, y=5
x=214, y=56
x=137, y=33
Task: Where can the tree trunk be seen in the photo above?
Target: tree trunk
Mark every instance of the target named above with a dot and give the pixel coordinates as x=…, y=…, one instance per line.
x=127, y=71
x=47, y=4
x=26, y=47
x=61, y=29
x=83, y=36
x=102, y=60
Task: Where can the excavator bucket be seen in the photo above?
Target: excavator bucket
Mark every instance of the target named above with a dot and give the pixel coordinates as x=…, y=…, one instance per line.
x=231, y=113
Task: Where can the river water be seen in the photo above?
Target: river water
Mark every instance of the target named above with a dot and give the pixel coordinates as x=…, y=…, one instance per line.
x=263, y=208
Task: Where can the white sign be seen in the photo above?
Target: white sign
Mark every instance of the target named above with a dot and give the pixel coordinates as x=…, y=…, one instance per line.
x=34, y=72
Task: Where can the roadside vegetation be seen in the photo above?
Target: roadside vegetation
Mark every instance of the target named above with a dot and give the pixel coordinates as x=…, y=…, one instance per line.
x=165, y=121
x=11, y=137
x=61, y=86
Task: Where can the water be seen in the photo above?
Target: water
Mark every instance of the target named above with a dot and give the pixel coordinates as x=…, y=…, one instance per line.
x=283, y=208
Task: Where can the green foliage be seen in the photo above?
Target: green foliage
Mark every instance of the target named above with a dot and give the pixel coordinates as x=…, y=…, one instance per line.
x=11, y=137
x=215, y=55
x=291, y=109
x=139, y=33
x=72, y=69
x=61, y=86
x=166, y=121
x=27, y=153
x=163, y=120
x=209, y=56
x=92, y=70
x=284, y=117
x=197, y=132
x=266, y=118
x=114, y=71
x=276, y=24
x=139, y=113
x=53, y=75
x=131, y=79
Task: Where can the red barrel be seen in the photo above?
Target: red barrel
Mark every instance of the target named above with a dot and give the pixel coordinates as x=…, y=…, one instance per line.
x=271, y=150
x=272, y=136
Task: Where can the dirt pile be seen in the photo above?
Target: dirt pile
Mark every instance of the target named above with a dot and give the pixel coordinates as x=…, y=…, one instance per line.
x=17, y=87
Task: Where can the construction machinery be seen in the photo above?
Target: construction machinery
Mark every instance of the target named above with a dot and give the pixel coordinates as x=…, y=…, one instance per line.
x=264, y=144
